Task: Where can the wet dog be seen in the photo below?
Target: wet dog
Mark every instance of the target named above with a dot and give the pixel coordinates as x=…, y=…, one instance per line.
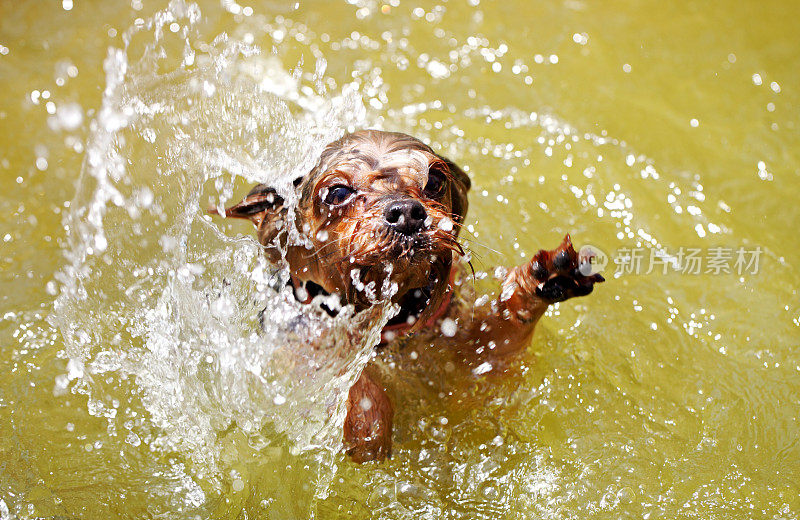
x=384, y=207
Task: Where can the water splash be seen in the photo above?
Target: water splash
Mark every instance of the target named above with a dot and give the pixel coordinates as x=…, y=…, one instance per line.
x=174, y=324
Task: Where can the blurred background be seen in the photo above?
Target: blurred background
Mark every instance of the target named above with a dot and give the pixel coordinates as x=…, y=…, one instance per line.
x=134, y=381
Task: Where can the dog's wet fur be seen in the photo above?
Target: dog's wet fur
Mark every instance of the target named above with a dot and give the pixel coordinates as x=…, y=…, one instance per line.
x=383, y=210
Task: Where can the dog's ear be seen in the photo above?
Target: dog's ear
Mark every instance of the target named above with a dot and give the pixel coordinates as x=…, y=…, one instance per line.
x=459, y=186
x=262, y=202
x=264, y=208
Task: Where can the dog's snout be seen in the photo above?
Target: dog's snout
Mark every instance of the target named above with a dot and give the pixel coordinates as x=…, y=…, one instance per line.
x=406, y=216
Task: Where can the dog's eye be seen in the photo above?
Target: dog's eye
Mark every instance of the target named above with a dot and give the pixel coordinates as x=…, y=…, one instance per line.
x=338, y=194
x=435, y=184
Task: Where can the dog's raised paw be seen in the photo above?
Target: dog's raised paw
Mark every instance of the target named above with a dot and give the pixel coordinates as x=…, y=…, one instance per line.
x=561, y=274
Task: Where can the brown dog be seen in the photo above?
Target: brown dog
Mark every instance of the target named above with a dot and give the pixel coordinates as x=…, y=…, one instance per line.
x=383, y=207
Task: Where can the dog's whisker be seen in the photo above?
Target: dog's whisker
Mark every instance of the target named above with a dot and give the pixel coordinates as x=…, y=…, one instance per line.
x=336, y=242
x=476, y=243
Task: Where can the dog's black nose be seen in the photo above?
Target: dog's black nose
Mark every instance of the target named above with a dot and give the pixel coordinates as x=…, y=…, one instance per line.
x=406, y=216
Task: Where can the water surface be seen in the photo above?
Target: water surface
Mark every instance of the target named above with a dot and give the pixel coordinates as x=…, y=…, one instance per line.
x=136, y=381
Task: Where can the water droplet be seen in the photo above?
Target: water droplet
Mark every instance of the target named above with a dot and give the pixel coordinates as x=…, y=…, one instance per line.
x=446, y=224
x=626, y=495
x=437, y=69
x=580, y=38
x=69, y=116
x=449, y=327
x=133, y=439
x=409, y=494
x=482, y=368
x=380, y=496
x=100, y=242
x=209, y=88
x=488, y=491
x=440, y=434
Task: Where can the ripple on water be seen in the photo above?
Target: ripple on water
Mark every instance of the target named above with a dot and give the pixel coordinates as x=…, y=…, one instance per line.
x=159, y=306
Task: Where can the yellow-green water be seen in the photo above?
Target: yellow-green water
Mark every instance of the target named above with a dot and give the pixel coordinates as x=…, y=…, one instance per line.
x=632, y=125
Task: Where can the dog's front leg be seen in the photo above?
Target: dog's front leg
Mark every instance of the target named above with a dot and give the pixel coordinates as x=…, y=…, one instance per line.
x=506, y=324
x=368, y=424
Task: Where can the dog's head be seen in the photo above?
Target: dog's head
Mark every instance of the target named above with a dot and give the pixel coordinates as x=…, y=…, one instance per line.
x=377, y=205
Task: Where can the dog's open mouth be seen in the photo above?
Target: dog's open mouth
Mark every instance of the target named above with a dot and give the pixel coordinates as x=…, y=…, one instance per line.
x=411, y=306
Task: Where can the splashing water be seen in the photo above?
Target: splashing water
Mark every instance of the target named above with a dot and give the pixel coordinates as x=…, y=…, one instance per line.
x=173, y=322
x=203, y=411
